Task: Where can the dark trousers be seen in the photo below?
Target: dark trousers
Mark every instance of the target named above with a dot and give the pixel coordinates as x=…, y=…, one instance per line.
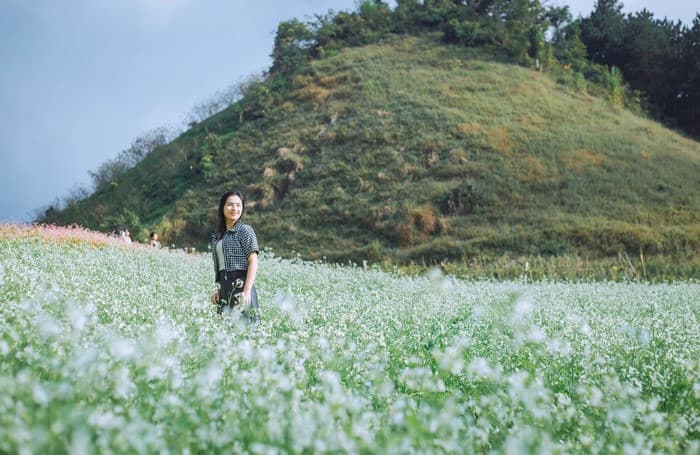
x=231, y=292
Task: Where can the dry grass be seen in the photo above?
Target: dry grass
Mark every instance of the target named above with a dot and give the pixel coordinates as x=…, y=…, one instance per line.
x=316, y=94
x=531, y=169
x=498, y=139
x=469, y=128
x=579, y=160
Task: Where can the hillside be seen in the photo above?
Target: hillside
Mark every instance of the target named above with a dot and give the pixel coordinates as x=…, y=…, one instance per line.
x=411, y=150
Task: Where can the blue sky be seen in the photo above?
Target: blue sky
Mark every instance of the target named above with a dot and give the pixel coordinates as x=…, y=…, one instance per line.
x=82, y=79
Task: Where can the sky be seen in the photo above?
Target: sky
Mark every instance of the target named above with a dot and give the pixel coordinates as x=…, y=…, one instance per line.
x=81, y=79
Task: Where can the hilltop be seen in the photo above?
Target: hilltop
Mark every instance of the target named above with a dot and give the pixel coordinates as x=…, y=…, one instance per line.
x=413, y=150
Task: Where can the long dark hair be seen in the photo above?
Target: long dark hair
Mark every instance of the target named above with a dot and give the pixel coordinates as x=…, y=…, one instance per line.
x=222, y=202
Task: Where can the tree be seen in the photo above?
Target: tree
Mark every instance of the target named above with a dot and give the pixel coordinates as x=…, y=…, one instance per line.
x=223, y=99
x=405, y=14
x=145, y=144
x=109, y=172
x=566, y=38
x=646, y=58
x=523, y=24
x=214, y=104
x=256, y=103
x=376, y=16
x=69, y=203
x=559, y=17
x=689, y=93
x=518, y=26
x=293, y=42
x=602, y=32
x=573, y=51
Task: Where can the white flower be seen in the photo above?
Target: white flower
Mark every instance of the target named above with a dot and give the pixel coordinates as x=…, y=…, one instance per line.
x=522, y=307
x=40, y=394
x=48, y=326
x=121, y=348
x=537, y=335
x=480, y=368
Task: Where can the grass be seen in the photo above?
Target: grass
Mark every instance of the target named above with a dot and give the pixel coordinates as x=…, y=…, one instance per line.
x=116, y=348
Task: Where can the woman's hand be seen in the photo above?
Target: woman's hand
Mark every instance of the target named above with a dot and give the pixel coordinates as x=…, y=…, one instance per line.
x=215, y=295
x=246, y=298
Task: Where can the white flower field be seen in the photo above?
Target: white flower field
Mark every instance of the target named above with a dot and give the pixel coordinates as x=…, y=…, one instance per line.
x=105, y=348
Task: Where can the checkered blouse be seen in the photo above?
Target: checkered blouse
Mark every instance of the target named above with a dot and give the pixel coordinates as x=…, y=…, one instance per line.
x=238, y=243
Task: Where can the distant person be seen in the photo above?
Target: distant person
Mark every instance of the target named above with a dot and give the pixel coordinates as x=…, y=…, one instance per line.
x=235, y=250
x=123, y=233
x=153, y=240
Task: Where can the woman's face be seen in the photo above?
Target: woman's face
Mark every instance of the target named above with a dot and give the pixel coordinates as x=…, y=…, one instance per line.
x=233, y=209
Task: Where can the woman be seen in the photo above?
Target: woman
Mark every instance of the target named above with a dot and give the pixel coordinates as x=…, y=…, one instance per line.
x=235, y=250
x=153, y=240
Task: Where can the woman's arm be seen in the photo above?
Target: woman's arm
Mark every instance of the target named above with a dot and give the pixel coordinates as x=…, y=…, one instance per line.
x=217, y=285
x=250, y=277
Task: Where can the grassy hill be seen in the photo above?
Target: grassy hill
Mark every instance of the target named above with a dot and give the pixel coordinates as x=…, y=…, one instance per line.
x=411, y=150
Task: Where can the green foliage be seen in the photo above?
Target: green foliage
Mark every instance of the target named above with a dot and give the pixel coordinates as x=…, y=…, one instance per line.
x=206, y=164
x=256, y=103
x=688, y=109
x=603, y=31
x=569, y=49
x=467, y=33
x=211, y=148
x=127, y=218
x=656, y=58
x=614, y=84
x=369, y=24
x=291, y=49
